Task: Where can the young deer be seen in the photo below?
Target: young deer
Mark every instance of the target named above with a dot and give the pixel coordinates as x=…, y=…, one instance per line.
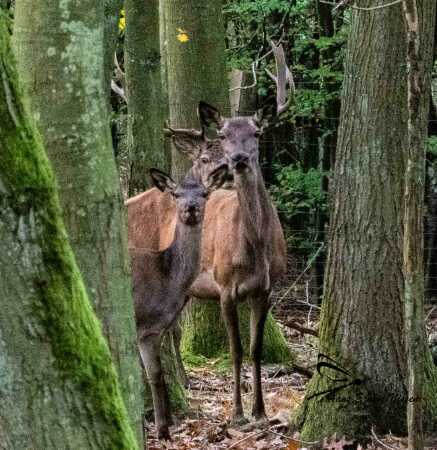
x=161, y=279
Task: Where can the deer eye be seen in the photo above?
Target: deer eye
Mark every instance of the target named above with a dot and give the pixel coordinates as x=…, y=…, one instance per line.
x=204, y=159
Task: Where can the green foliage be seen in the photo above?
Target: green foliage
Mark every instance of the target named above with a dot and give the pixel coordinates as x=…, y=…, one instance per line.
x=298, y=191
x=431, y=146
x=316, y=60
x=299, y=197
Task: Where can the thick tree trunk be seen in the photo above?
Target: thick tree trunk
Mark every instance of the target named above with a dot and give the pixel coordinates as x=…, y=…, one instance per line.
x=362, y=323
x=60, y=58
x=58, y=385
x=146, y=102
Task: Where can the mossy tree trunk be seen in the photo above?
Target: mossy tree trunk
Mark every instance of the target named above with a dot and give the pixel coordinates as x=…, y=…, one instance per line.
x=59, y=46
x=205, y=334
x=146, y=102
x=58, y=385
x=362, y=321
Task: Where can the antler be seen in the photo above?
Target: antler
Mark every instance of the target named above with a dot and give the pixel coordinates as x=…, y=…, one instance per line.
x=169, y=131
x=283, y=77
x=120, y=75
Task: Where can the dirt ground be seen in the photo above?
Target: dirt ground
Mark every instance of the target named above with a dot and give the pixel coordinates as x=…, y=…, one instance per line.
x=206, y=426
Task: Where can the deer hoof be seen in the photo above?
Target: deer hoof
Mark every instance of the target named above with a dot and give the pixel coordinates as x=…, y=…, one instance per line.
x=164, y=433
x=260, y=419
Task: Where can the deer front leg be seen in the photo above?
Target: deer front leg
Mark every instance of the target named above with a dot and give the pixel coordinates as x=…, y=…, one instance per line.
x=259, y=308
x=149, y=350
x=230, y=317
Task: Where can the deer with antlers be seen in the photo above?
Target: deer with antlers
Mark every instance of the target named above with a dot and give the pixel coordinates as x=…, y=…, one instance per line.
x=243, y=248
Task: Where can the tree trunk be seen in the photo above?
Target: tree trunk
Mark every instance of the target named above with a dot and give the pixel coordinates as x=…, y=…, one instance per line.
x=362, y=321
x=110, y=36
x=413, y=254
x=60, y=59
x=196, y=64
x=146, y=102
x=58, y=385
x=205, y=334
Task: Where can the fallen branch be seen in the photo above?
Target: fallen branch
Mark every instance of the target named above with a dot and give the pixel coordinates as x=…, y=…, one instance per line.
x=303, y=370
x=301, y=329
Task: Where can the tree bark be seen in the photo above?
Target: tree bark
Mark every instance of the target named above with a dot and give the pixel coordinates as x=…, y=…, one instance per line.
x=58, y=385
x=362, y=321
x=110, y=36
x=204, y=334
x=59, y=46
x=196, y=64
x=413, y=231
x=146, y=101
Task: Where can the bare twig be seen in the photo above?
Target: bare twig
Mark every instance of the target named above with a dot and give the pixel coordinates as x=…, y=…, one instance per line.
x=251, y=435
x=310, y=263
x=254, y=67
x=380, y=442
x=345, y=3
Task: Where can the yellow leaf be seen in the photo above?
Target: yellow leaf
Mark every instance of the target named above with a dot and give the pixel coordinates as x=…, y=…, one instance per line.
x=122, y=21
x=182, y=36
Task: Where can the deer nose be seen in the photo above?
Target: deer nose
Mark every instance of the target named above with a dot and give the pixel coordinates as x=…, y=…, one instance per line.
x=191, y=207
x=240, y=158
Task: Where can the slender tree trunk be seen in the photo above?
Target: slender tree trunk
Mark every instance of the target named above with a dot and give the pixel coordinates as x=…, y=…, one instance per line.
x=362, y=322
x=60, y=58
x=146, y=102
x=110, y=36
x=413, y=231
x=58, y=385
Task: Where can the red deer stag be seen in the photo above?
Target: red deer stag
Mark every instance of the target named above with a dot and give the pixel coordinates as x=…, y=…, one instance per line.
x=161, y=279
x=243, y=247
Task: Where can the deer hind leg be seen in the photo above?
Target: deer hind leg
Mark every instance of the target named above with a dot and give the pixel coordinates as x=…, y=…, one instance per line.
x=230, y=317
x=259, y=308
x=149, y=350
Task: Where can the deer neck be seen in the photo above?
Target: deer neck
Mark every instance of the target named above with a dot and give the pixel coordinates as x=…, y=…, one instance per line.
x=184, y=253
x=255, y=207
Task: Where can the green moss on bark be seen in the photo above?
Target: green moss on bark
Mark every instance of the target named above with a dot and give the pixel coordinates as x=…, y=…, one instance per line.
x=62, y=315
x=204, y=333
x=60, y=53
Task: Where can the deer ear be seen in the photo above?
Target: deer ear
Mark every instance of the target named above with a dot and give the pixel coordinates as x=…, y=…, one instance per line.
x=264, y=116
x=162, y=181
x=208, y=115
x=217, y=177
x=188, y=144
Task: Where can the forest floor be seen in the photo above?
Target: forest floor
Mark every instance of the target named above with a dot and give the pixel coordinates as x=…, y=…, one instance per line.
x=206, y=425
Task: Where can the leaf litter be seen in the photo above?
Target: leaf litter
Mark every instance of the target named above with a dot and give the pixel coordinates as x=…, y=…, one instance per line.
x=206, y=425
